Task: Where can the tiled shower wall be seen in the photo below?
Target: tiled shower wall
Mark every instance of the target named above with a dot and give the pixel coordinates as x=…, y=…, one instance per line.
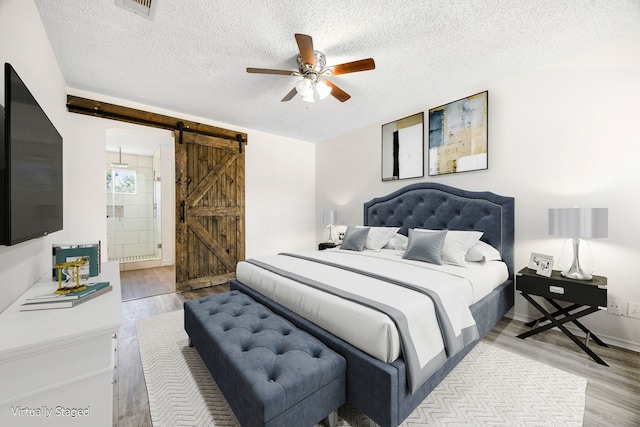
x=130, y=217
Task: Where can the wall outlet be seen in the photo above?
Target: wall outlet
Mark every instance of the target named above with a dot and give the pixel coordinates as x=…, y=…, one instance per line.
x=633, y=310
x=614, y=307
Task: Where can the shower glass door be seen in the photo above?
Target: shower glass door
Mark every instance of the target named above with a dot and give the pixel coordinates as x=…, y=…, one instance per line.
x=133, y=232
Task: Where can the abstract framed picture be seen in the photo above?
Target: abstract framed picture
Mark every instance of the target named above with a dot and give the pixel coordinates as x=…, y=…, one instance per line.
x=403, y=148
x=458, y=135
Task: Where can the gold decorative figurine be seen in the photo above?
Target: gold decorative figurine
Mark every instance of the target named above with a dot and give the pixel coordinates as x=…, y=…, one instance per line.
x=71, y=271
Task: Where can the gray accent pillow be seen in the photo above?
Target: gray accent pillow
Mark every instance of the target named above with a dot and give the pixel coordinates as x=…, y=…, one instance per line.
x=354, y=239
x=425, y=246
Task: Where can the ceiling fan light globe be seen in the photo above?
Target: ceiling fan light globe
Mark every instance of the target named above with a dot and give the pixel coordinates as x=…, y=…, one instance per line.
x=308, y=97
x=304, y=87
x=323, y=90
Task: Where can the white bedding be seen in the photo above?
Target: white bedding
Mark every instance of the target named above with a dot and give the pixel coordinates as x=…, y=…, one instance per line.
x=357, y=324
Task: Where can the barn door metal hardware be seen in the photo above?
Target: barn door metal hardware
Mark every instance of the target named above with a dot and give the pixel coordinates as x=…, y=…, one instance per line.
x=182, y=213
x=181, y=129
x=241, y=140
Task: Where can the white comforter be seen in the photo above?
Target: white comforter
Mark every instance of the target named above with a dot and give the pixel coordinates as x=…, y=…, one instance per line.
x=369, y=330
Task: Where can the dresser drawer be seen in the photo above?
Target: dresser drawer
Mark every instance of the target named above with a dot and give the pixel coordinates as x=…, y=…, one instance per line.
x=592, y=293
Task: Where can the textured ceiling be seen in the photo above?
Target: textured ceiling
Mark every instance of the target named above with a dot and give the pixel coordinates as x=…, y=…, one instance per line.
x=191, y=57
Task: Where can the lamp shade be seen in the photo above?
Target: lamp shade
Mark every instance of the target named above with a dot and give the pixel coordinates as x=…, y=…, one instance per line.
x=579, y=222
x=329, y=217
x=323, y=90
x=305, y=88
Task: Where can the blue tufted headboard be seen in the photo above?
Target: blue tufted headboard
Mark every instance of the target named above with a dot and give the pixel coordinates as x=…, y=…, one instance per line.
x=436, y=206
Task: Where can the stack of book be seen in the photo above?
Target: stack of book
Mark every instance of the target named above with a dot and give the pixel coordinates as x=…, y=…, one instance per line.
x=52, y=300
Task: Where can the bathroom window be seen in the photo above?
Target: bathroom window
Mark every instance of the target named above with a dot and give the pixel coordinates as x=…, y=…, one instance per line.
x=121, y=181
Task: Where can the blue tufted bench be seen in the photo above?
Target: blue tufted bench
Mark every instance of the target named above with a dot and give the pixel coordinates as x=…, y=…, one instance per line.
x=271, y=373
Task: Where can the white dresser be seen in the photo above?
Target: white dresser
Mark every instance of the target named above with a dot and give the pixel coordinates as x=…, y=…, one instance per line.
x=57, y=366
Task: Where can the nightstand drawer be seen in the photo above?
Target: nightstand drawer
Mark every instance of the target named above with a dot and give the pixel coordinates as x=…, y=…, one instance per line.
x=327, y=245
x=592, y=293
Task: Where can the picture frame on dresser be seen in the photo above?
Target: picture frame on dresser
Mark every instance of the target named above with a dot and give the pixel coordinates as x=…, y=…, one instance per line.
x=74, y=252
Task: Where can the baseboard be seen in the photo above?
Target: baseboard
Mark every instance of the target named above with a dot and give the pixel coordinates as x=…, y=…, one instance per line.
x=138, y=265
x=617, y=342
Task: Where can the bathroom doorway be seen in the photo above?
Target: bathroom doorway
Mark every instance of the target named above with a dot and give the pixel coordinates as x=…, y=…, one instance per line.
x=140, y=190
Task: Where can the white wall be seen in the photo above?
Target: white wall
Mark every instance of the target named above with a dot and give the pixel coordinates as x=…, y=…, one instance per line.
x=280, y=194
x=559, y=136
x=24, y=44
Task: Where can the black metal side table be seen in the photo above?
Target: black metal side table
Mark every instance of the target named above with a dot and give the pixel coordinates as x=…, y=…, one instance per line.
x=585, y=295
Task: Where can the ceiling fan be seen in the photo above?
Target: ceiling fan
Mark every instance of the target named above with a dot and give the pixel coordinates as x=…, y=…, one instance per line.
x=313, y=70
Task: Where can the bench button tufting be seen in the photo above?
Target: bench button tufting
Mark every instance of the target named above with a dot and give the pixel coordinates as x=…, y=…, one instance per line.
x=259, y=355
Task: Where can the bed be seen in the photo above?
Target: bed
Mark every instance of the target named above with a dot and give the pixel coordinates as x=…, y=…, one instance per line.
x=383, y=385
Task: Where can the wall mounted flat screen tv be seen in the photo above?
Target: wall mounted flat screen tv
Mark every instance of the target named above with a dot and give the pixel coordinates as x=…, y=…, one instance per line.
x=30, y=165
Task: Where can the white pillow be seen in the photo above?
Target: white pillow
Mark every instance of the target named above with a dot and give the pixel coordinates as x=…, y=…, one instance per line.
x=456, y=245
x=483, y=252
x=397, y=242
x=378, y=237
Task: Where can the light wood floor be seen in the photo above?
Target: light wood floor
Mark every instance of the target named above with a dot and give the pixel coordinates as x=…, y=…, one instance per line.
x=147, y=282
x=612, y=398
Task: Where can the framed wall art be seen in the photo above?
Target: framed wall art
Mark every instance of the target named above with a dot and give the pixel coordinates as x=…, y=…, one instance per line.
x=458, y=135
x=403, y=148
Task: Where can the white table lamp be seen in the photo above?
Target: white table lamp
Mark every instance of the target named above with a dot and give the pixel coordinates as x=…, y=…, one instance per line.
x=577, y=223
x=330, y=218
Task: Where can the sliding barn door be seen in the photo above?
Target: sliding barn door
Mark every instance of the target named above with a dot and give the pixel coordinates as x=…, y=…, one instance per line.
x=209, y=210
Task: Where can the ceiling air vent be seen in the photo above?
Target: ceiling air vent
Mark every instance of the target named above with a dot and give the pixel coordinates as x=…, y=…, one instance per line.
x=139, y=7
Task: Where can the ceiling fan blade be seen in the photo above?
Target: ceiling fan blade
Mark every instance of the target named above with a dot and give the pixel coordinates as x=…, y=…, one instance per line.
x=336, y=92
x=270, y=71
x=353, y=67
x=305, y=45
x=290, y=95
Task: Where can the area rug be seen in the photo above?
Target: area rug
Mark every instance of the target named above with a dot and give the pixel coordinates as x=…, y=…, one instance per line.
x=490, y=387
